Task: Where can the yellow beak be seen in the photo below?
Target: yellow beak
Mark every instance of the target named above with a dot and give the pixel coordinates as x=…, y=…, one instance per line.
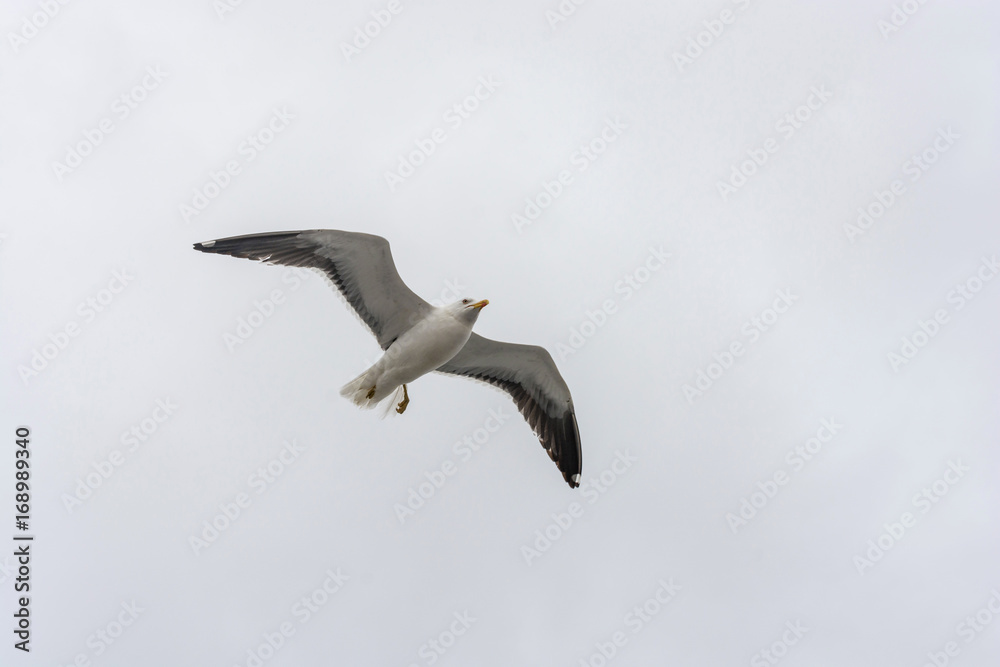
x=480, y=304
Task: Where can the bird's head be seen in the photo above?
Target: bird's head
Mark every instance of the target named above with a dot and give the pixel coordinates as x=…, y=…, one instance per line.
x=467, y=310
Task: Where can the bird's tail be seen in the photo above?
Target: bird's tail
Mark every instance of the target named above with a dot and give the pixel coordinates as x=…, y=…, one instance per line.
x=359, y=391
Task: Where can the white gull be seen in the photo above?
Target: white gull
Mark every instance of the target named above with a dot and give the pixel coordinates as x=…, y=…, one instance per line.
x=418, y=338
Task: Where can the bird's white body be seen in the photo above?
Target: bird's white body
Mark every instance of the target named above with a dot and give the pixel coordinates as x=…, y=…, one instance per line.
x=431, y=342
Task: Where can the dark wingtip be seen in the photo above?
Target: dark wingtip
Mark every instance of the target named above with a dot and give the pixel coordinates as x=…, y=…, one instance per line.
x=570, y=456
x=252, y=246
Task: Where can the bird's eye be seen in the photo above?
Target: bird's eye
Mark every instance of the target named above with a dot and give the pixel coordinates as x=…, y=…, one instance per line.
x=465, y=301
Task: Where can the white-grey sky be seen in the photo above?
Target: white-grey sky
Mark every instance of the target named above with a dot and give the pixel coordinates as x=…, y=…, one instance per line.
x=109, y=228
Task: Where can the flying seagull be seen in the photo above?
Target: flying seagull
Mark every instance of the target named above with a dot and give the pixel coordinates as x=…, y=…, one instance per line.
x=418, y=338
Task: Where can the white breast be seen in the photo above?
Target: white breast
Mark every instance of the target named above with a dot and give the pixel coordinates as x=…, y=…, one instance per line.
x=431, y=342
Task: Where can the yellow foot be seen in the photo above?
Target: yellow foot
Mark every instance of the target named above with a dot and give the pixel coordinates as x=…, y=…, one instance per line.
x=401, y=408
x=371, y=392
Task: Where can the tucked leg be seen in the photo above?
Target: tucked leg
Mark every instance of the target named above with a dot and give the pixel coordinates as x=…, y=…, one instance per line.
x=371, y=392
x=401, y=408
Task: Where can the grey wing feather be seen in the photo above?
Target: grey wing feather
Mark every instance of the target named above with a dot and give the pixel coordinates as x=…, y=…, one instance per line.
x=530, y=376
x=360, y=265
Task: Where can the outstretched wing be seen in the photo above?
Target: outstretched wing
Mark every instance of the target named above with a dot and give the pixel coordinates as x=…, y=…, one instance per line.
x=529, y=375
x=360, y=265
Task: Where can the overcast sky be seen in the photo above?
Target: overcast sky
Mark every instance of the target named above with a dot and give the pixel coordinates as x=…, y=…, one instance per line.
x=759, y=239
